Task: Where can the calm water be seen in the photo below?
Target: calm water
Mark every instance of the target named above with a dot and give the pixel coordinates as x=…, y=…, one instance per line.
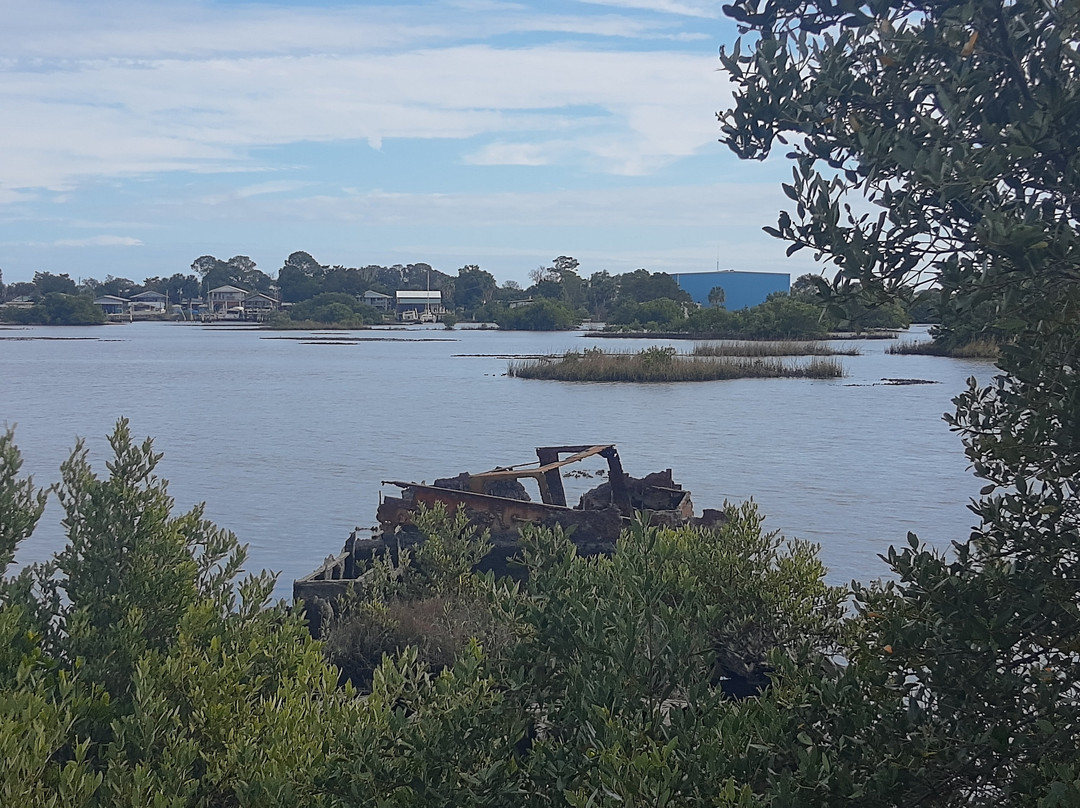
x=287, y=442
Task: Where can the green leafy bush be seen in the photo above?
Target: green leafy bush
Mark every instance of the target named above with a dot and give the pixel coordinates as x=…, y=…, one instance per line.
x=139, y=668
x=56, y=308
x=779, y=317
x=695, y=666
x=334, y=309
x=541, y=315
x=662, y=314
x=956, y=122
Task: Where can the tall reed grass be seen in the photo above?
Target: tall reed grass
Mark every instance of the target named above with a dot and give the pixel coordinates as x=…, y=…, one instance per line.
x=976, y=349
x=778, y=348
x=665, y=365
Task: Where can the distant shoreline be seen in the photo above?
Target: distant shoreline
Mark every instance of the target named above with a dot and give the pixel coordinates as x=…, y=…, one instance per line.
x=838, y=335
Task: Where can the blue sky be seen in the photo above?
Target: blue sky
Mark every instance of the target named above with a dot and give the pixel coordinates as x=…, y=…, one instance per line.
x=138, y=136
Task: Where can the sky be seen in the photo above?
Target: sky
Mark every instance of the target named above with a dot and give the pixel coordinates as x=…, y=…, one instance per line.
x=138, y=136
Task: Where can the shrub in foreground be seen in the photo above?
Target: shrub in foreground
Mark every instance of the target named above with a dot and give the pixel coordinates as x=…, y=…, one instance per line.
x=138, y=668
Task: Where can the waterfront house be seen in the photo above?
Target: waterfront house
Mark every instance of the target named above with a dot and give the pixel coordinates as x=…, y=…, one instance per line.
x=148, y=301
x=20, y=302
x=113, y=306
x=227, y=300
x=258, y=304
x=377, y=300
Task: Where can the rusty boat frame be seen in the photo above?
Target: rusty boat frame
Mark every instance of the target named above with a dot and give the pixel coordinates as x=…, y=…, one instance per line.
x=496, y=501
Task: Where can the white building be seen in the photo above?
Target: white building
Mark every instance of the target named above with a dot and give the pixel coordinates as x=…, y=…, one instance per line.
x=419, y=304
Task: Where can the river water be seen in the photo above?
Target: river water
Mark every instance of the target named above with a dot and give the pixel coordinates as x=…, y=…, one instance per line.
x=287, y=442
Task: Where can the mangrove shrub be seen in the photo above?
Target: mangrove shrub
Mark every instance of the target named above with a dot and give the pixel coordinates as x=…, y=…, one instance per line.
x=957, y=123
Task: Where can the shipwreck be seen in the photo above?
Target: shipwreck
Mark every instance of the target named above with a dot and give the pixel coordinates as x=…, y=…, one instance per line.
x=497, y=501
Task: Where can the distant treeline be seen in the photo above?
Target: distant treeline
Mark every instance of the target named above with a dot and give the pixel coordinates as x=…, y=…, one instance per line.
x=558, y=298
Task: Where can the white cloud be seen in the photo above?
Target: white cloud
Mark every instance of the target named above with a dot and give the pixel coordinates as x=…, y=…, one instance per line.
x=155, y=90
x=99, y=241
x=117, y=113
x=515, y=154
x=738, y=209
x=701, y=8
x=10, y=195
x=250, y=191
x=64, y=32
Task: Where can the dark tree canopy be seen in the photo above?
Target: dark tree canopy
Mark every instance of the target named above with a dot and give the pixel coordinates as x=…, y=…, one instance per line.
x=939, y=143
x=47, y=283
x=641, y=286
x=474, y=287
x=204, y=264
x=717, y=296
x=806, y=287
x=20, y=289
x=242, y=272
x=543, y=315
x=300, y=278
x=957, y=121
x=57, y=308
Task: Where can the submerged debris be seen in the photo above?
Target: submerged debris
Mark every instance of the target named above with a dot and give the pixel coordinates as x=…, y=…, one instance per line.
x=895, y=383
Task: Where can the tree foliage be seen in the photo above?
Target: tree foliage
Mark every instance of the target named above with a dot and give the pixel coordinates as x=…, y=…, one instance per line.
x=474, y=287
x=56, y=308
x=19, y=289
x=300, y=278
x=779, y=317
x=138, y=667
x=239, y=271
x=957, y=123
x=120, y=287
x=717, y=297
x=334, y=308
x=47, y=283
x=663, y=314
x=641, y=286
x=542, y=315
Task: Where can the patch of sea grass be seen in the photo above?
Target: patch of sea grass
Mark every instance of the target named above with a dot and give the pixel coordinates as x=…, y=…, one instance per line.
x=771, y=348
x=976, y=349
x=665, y=365
x=284, y=324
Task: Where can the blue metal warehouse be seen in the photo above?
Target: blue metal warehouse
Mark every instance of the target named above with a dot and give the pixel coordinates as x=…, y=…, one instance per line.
x=741, y=289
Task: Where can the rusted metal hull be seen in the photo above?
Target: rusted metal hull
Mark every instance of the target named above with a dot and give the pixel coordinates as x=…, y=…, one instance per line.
x=496, y=502
x=593, y=531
